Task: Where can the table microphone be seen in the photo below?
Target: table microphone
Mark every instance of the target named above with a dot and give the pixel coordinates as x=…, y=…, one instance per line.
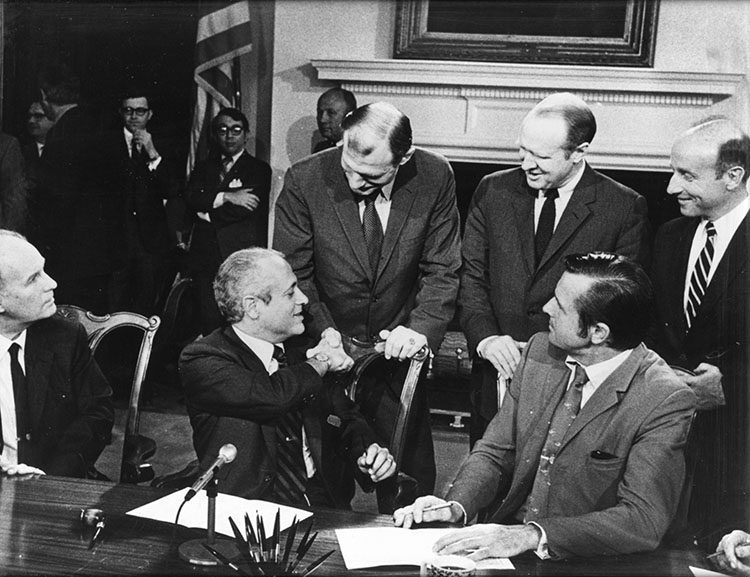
x=226, y=455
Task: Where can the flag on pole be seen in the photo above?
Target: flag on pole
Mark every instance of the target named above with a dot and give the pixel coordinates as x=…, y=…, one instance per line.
x=223, y=35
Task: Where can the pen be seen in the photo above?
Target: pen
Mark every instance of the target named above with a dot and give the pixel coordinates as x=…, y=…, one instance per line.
x=720, y=553
x=436, y=507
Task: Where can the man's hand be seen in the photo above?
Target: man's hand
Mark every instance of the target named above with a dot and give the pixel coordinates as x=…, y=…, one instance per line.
x=242, y=197
x=18, y=470
x=735, y=549
x=503, y=352
x=401, y=343
x=427, y=510
x=481, y=541
x=377, y=462
x=142, y=138
x=706, y=384
x=330, y=344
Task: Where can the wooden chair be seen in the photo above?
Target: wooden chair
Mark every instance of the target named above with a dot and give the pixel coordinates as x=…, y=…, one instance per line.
x=136, y=448
x=364, y=356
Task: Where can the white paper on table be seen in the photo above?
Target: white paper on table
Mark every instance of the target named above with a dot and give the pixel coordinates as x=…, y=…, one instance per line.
x=194, y=514
x=388, y=546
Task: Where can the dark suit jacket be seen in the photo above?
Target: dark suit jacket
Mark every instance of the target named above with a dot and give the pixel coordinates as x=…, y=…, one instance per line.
x=319, y=230
x=718, y=336
x=70, y=401
x=140, y=191
x=232, y=227
x=76, y=211
x=502, y=291
x=232, y=399
x=638, y=419
x=13, y=188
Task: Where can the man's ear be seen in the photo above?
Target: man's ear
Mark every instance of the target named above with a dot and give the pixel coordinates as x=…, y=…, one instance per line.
x=250, y=307
x=407, y=156
x=599, y=333
x=579, y=152
x=733, y=177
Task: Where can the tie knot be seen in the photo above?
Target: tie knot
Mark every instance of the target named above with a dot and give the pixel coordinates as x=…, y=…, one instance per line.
x=13, y=350
x=226, y=161
x=551, y=193
x=279, y=355
x=372, y=197
x=710, y=229
x=580, y=378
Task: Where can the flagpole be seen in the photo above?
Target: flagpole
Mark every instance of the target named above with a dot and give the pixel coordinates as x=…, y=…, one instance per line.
x=237, y=83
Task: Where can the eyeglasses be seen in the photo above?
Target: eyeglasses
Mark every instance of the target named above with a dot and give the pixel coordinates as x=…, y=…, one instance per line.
x=128, y=111
x=37, y=115
x=235, y=130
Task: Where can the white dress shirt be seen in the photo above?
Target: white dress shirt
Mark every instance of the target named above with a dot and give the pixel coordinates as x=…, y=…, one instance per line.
x=564, y=193
x=382, y=203
x=7, y=398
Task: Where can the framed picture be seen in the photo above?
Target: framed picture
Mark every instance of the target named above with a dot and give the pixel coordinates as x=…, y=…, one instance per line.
x=589, y=32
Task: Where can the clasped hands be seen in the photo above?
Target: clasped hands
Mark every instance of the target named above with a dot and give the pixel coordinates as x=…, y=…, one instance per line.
x=18, y=470
x=330, y=344
x=476, y=541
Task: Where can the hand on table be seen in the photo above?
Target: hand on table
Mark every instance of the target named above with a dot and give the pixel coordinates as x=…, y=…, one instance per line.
x=479, y=542
x=377, y=462
x=18, y=470
x=401, y=343
x=420, y=512
x=735, y=549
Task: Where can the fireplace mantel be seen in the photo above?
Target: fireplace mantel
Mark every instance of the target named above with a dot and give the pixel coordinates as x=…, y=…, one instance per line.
x=471, y=111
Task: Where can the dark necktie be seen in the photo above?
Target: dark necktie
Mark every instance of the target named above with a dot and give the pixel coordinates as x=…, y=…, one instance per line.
x=21, y=400
x=564, y=415
x=699, y=278
x=546, y=225
x=373, y=229
x=291, y=473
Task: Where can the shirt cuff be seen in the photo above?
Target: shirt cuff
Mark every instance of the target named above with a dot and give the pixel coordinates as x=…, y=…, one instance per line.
x=218, y=200
x=464, y=519
x=482, y=343
x=542, y=550
x=154, y=164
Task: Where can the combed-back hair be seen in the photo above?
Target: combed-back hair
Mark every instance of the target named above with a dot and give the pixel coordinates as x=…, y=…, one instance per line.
x=386, y=121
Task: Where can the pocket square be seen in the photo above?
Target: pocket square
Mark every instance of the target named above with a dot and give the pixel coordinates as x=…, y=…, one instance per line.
x=236, y=183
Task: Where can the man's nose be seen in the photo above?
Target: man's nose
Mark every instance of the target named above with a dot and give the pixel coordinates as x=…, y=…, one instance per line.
x=674, y=187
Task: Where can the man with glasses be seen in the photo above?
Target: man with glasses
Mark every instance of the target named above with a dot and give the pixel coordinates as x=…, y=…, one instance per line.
x=144, y=181
x=228, y=197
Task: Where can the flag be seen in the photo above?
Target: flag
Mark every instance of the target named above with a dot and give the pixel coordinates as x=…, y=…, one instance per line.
x=223, y=35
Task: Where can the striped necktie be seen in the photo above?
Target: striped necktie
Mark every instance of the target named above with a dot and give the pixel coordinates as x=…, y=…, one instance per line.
x=291, y=473
x=699, y=278
x=565, y=414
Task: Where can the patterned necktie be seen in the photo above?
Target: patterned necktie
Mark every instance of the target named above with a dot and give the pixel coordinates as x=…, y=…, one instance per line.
x=291, y=473
x=699, y=278
x=564, y=415
x=21, y=400
x=226, y=166
x=373, y=229
x=546, y=225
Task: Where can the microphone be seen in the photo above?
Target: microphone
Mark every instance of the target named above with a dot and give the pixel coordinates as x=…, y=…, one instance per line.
x=226, y=455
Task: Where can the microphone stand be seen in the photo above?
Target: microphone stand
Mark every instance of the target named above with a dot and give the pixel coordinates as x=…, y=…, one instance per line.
x=193, y=551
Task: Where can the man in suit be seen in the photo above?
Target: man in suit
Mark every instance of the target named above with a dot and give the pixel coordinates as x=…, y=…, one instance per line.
x=585, y=456
x=37, y=127
x=700, y=278
x=333, y=105
x=76, y=211
x=55, y=405
x=228, y=196
x=241, y=389
x=520, y=225
x=371, y=229
x=144, y=181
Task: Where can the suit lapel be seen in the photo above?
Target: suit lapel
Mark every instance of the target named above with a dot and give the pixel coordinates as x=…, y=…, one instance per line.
x=523, y=210
x=731, y=269
x=347, y=212
x=609, y=393
x=575, y=214
x=402, y=200
x=38, y=357
x=233, y=172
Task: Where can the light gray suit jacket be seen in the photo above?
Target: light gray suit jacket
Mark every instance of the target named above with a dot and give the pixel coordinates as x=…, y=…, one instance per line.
x=616, y=479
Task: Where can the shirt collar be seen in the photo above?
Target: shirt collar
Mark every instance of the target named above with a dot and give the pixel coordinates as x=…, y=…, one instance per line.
x=569, y=186
x=599, y=372
x=262, y=349
x=727, y=225
x=5, y=342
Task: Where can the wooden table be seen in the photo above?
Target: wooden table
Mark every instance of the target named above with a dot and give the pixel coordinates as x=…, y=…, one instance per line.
x=40, y=533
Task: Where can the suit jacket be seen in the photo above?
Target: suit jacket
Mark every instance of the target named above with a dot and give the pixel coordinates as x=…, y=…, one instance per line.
x=76, y=211
x=232, y=399
x=13, y=188
x=319, y=230
x=502, y=290
x=232, y=227
x=140, y=191
x=718, y=336
x=70, y=401
x=638, y=420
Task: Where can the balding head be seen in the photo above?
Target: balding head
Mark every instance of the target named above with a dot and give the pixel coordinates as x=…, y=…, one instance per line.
x=370, y=125
x=574, y=111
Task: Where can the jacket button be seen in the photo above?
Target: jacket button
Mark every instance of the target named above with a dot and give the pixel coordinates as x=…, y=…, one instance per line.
x=267, y=479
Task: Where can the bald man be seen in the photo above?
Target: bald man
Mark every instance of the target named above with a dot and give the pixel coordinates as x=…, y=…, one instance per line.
x=700, y=278
x=333, y=105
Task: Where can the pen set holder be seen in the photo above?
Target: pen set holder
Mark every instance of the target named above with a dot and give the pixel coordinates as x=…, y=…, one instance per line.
x=262, y=554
